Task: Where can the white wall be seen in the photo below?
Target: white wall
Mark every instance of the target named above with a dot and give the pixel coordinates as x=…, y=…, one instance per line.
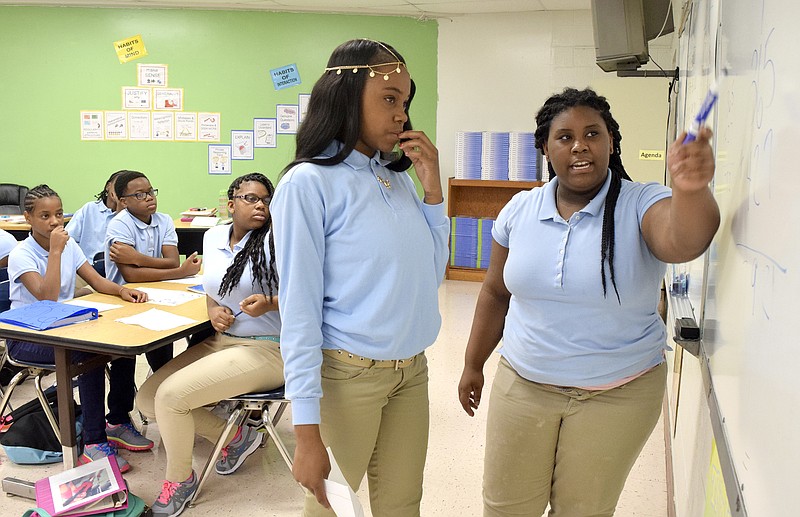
x=496, y=70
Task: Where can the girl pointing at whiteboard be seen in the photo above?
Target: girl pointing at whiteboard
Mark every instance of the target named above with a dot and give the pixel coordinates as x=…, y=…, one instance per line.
x=581, y=380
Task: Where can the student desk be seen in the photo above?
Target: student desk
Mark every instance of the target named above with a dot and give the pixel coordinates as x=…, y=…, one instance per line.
x=20, y=231
x=190, y=238
x=108, y=338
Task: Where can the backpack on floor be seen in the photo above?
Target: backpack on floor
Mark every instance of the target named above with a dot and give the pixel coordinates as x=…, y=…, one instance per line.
x=29, y=440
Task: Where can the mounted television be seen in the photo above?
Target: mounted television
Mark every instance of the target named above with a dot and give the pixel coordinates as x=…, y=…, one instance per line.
x=622, y=29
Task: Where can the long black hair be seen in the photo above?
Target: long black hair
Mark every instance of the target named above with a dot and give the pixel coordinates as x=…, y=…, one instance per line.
x=334, y=109
x=103, y=194
x=561, y=102
x=253, y=250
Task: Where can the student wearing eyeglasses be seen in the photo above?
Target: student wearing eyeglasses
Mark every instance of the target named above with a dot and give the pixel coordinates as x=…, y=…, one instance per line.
x=243, y=355
x=140, y=246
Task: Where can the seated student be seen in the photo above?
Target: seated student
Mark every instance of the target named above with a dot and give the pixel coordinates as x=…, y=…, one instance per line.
x=88, y=225
x=7, y=243
x=141, y=244
x=43, y=267
x=243, y=356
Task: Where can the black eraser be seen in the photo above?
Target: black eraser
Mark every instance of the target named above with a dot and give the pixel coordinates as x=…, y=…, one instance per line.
x=686, y=328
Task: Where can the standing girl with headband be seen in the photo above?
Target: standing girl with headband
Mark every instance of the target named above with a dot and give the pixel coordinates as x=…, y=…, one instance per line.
x=360, y=258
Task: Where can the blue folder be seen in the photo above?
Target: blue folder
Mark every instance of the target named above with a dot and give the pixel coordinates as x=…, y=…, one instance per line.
x=47, y=314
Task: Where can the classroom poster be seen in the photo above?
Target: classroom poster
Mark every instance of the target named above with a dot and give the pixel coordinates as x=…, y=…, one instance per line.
x=129, y=49
x=168, y=99
x=219, y=159
x=265, y=132
x=287, y=118
x=285, y=76
x=152, y=75
x=186, y=126
x=241, y=145
x=91, y=125
x=302, y=106
x=163, y=126
x=139, y=125
x=136, y=98
x=116, y=125
x=208, y=127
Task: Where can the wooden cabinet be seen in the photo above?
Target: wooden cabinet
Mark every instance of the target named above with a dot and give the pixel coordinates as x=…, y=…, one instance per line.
x=479, y=198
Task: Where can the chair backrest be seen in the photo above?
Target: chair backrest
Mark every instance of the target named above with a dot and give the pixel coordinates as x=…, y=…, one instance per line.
x=3, y=273
x=12, y=198
x=5, y=302
x=99, y=263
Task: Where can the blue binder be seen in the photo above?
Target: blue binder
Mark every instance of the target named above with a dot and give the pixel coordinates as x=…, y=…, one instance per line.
x=47, y=314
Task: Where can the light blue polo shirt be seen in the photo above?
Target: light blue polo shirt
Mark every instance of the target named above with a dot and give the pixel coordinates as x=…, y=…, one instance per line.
x=146, y=238
x=7, y=243
x=360, y=265
x=29, y=256
x=559, y=328
x=217, y=258
x=88, y=227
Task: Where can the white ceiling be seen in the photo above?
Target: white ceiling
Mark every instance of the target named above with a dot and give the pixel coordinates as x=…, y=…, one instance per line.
x=413, y=8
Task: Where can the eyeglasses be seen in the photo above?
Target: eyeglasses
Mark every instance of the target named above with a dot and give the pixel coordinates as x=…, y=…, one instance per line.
x=141, y=196
x=252, y=199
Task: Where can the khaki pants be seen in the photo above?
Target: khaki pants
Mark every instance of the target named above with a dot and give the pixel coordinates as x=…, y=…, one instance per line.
x=221, y=367
x=375, y=420
x=570, y=447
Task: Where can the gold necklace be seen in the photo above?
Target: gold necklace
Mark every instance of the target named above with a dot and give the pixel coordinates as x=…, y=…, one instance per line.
x=385, y=182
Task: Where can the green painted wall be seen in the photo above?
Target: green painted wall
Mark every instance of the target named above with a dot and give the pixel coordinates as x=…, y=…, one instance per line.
x=56, y=62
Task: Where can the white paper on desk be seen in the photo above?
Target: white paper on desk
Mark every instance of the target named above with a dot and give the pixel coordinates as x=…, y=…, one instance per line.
x=168, y=296
x=189, y=280
x=344, y=502
x=155, y=319
x=100, y=306
x=204, y=222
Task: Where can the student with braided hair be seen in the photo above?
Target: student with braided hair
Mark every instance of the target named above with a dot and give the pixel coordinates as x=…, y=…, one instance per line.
x=44, y=267
x=572, y=289
x=243, y=356
x=89, y=223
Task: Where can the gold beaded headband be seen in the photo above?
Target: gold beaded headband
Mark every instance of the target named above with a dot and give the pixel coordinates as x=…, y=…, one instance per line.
x=372, y=68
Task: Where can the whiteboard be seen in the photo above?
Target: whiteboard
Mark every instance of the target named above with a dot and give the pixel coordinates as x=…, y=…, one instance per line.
x=751, y=307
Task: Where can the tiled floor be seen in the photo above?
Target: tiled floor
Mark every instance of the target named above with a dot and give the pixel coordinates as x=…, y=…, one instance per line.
x=264, y=486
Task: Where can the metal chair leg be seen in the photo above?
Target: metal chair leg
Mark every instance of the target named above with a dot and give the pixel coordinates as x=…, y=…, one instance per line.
x=237, y=413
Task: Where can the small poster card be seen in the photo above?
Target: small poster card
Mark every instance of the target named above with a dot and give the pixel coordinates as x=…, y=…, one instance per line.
x=302, y=106
x=116, y=125
x=139, y=125
x=152, y=75
x=208, y=127
x=186, y=126
x=92, y=125
x=242, y=144
x=219, y=159
x=163, y=126
x=136, y=98
x=285, y=76
x=287, y=118
x=129, y=49
x=96, y=487
x=265, y=132
x=168, y=99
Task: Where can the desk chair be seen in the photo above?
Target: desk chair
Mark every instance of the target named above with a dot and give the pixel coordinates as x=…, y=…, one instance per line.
x=260, y=401
x=99, y=263
x=38, y=371
x=3, y=274
x=5, y=301
x=12, y=198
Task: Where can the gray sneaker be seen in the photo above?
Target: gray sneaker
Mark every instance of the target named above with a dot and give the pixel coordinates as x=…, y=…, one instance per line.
x=125, y=436
x=245, y=443
x=174, y=497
